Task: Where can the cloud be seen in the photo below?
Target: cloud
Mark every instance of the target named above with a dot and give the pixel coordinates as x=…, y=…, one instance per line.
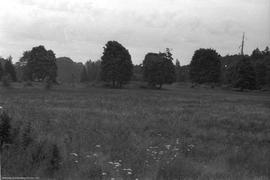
x=80, y=28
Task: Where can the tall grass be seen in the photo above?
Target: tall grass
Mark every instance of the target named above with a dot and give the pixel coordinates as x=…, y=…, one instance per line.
x=145, y=134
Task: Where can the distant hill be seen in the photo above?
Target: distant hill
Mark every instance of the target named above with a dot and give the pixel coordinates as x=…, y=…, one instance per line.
x=68, y=71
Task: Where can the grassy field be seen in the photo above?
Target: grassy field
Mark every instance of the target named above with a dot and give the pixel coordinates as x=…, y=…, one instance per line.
x=175, y=133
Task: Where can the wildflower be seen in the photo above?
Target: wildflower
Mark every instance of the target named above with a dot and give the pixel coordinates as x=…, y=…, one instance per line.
x=74, y=154
x=117, y=164
x=98, y=146
x=127, y=169
x=168, y=146
x=104, y=174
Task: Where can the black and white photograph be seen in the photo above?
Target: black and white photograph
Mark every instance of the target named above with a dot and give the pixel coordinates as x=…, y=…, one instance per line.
x=134, y=90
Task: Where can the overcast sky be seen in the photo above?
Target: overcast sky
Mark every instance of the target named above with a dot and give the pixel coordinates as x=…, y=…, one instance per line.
x=80, y=28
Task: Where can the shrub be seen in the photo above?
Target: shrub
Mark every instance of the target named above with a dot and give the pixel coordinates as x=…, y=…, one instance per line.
x=5, y=129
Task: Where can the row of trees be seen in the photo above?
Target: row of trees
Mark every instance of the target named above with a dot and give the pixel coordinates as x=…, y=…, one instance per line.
x=116, y=68
x=239, y=71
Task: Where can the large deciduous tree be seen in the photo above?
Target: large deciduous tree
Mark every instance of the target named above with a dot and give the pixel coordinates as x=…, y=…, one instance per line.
x=158, y=69
x=116, y=64
x=41, y=64
x=205, y=66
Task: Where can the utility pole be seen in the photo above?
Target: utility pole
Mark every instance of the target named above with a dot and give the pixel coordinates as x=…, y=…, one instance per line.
x=242, y=45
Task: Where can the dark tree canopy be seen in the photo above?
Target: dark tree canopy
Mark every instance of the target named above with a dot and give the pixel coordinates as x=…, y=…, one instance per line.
x=205, y=66
x=41, y=64
x=116, y=64
x=245, y=75
x=256, y=54
x=10, y=69
x=158, y=69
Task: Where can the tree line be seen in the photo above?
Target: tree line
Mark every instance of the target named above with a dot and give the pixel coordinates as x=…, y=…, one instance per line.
x=115, y=67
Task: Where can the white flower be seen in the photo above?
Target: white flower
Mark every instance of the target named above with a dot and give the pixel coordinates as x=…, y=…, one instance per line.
x=74, y=154
x=117, y=164
x=168, y=146
x=127, y=169
x=98, y=146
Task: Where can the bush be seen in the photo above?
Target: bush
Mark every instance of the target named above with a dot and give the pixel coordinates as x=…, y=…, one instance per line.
x=5, y=129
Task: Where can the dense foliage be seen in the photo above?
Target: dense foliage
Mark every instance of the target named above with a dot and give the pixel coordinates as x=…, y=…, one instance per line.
x=116, y=64
x=237, y=69
x=158, y=69
x=5, y=129
x=245, y=75
x=41, y=64
x=205, y=66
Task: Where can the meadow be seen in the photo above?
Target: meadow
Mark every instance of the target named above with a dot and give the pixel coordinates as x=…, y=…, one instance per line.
x=175, y=133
